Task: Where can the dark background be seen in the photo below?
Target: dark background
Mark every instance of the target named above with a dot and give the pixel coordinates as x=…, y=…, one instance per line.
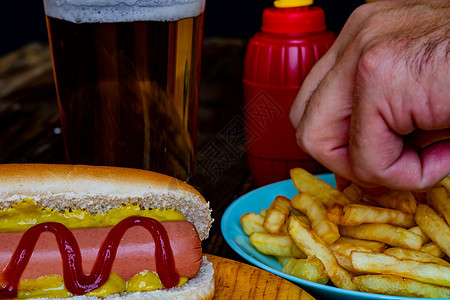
x=22, y=21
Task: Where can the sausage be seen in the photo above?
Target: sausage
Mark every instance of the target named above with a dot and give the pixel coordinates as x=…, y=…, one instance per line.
x=135, y=253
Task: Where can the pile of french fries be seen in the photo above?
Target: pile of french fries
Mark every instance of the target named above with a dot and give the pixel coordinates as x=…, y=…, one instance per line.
x=395, y=244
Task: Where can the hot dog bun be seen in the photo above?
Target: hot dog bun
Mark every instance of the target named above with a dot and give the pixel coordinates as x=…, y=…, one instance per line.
x=99, y=189
x=201, y=287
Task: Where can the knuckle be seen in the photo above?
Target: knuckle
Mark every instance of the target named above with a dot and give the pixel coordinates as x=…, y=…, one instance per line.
x=373, y=61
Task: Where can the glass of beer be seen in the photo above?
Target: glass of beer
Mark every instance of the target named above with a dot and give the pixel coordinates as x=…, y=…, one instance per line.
x=127, y=76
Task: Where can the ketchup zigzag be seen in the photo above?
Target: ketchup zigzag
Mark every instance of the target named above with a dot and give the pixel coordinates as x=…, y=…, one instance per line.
x=75, y=280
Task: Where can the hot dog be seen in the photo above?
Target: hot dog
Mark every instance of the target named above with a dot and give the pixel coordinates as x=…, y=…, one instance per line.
x=133, y=243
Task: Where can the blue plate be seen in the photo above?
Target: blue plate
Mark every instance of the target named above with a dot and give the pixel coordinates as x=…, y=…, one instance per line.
x=261, y=198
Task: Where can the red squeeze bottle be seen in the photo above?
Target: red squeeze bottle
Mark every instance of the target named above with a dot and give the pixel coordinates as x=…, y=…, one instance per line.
x=293, y=38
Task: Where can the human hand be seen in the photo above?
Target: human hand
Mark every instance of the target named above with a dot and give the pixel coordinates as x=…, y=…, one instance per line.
x=376, y=108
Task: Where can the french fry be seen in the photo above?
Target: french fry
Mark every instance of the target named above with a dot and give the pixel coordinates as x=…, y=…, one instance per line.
x=417, y=230
x=403, y=253
x=388, y=264
x=434, y=227
x=439, y=200
x=398, y=286
x=296, y=252
x=386, y=233
x=301, y=216
x=312, y=245
x=317, y=214
x=446, y=183
x=342, y=253
x=371, y=245
x=308, y=183
x=252, y=222
x=343, y=199
x=433, y=249
x=311, y=269
x=335, y=212
x=356, y=214
x=345, y=262
x=277, y=245
x=276, y=214
x=353, y=192
x=347, y=248
x=283, y=260
x=399, y=200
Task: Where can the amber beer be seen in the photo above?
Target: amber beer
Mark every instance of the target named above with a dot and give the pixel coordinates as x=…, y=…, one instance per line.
x=128, y=83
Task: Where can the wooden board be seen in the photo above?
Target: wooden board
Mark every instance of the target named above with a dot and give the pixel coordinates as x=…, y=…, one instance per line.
x=235, y=280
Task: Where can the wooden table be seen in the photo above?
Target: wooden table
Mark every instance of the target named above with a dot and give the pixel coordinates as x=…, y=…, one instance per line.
x=30, y=130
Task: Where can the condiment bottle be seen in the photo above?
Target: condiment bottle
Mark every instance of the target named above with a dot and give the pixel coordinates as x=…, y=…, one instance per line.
x=293, y=38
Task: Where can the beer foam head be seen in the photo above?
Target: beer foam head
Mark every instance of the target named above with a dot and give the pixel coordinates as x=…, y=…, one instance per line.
x=108, y=11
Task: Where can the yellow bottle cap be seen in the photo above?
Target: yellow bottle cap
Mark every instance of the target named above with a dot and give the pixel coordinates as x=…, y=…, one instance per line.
x=292, y=3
